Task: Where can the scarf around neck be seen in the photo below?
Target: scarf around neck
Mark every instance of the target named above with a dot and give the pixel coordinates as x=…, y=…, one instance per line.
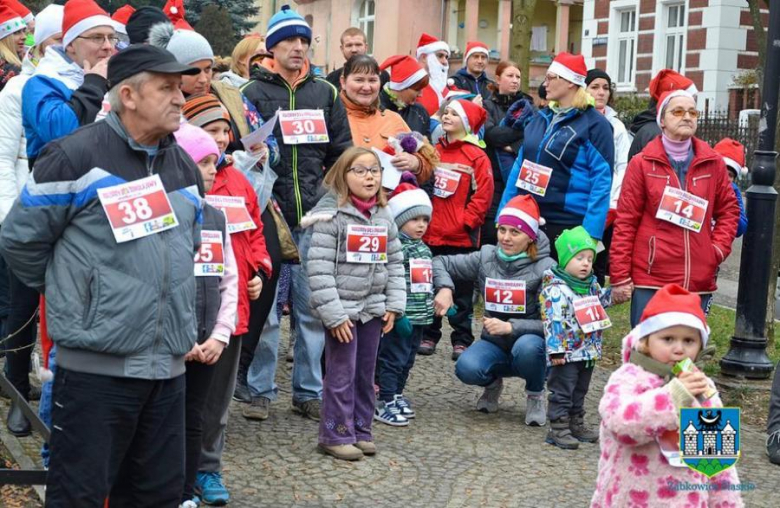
x=363, y=207
x=579, y=286
x=503, y=256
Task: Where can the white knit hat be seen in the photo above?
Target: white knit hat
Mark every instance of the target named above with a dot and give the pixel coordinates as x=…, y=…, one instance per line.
x=48, y=22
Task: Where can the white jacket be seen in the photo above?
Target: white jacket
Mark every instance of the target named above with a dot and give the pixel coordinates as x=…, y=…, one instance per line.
x=13, y=144
x=623, y=140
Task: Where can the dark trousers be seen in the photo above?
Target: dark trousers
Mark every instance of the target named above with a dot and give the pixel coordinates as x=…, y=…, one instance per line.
x=260, y=308
x=462, y=295
x=395, y=360
x=4, y=296
x=198, y=380
x=23, y=302
x=568, y=384
x=773, y=421
x=641, y=296
x=601, y=266
x=553, y=231
x=116, y=437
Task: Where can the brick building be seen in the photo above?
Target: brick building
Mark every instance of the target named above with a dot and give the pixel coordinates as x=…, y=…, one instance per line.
x=710, y=41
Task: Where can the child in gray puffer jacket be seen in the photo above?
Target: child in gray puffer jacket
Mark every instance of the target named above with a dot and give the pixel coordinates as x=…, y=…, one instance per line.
x=355, y=266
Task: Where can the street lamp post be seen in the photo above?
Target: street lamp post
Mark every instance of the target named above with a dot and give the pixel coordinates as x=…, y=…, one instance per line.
x=747, y=353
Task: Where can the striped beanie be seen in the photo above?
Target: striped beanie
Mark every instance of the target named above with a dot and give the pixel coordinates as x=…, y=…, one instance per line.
x=285, y=24
x=201, y=110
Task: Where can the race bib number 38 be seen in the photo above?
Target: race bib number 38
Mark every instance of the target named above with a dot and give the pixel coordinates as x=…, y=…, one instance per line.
x=366, y=244
x=590, y=314
x=236, y=213
x=506, y=296
x=138, y=208
x=682, y=209
x=534, y=178
x=421, y=275
x=303, y=126
x=210, y=259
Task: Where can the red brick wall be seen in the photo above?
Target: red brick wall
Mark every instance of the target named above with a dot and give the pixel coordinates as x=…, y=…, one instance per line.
x=642, y=81
x=603, y=28
x=644, y=63
x=747, y=61
x=697, y=38
x=646, y=24
x=746, y=19
x=697, y=77
x=752, y=43
x=694, y=4
x=600, y=51
x=645, y=44
x=601, y=64
x=692, y=61
x=694, y=18
x=602, y=9
x=646, y=6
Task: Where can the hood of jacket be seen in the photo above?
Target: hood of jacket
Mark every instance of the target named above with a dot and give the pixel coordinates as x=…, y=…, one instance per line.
x=231, y=78
x=464, y=72
x=55, y=64
x=645, y=117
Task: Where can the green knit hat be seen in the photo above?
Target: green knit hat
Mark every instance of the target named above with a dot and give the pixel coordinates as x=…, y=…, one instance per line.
x=571, y=242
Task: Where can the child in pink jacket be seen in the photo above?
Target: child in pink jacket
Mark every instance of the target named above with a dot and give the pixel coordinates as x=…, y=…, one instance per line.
x=642, y=401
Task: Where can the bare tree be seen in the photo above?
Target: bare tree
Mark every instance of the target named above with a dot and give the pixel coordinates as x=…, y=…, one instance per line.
x=520, y=47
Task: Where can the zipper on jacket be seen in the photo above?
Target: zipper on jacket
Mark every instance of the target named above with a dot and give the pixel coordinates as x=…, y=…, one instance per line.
x=164, y=290
x=697, y=178
x=296, y=188
x=686, y=241
x=650, y=254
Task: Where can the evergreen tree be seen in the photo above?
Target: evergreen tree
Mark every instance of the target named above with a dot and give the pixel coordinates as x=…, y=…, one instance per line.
x=216, y=26
x=112, y=5
x=241, y=12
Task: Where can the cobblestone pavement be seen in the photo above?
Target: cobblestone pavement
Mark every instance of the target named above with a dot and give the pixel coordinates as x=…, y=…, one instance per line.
x=450, y=456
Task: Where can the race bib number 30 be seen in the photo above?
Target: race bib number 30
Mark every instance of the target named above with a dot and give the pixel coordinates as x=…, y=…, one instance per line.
x=421, y=275
x=506, y=296
x=366, y=244
x=590, y=314
x=210, y=259
x=534, y=178
x=682, y=209
x=137, y=209
x=303, y=126
x=236, y=213
x=445, y=182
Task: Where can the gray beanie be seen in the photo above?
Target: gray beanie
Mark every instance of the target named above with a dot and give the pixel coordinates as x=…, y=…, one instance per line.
x=408, y=202
x=187, y=46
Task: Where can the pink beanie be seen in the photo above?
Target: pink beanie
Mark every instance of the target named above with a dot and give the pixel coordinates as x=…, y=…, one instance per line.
x=196, y=142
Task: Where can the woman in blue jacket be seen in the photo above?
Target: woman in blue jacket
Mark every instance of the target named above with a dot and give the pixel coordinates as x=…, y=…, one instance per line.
x=567, y=156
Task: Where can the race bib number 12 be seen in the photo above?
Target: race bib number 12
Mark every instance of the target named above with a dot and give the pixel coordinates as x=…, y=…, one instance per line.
x=505, y=296
x=137, y=209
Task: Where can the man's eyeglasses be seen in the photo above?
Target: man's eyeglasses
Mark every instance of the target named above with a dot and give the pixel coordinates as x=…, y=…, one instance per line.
x=362, y=170
x=98, y=40
x=679, y=113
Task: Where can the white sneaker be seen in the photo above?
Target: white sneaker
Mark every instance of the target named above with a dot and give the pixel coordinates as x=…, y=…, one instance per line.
x=488, y=402
x=390, y=414
x=188, y=504
x=535, y=413
x=404, y=406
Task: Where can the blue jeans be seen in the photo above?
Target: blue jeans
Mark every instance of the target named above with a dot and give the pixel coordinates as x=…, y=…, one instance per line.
x=484, y=362
x=262, y=370
x=395, y=360
x=309, y=331
x=44, y=406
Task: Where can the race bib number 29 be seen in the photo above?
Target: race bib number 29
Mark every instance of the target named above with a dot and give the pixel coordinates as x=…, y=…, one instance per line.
x=137, y=209
x=366, y=244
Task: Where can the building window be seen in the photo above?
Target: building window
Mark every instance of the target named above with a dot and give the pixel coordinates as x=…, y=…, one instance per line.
x=675, y=37
x=365, y=21
x=626, y=46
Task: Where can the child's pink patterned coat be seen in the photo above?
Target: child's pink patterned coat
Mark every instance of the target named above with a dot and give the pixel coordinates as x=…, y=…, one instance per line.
x=636, y=408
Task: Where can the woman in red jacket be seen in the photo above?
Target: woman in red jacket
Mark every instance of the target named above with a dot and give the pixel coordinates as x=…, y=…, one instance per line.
x=672, y=193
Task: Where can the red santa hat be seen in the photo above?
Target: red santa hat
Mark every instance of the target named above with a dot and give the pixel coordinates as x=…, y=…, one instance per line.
x=570, y=67
x=174, y=9
x=430, y=44
x=673, y=305
x=472, y=115
x=522, y=212
x=668, y=80
x=121, y=16
x=473, y=47
x=733, y=153
x=20, y=9
x=80, y=16
x=10, y=21
x=664, y=101
x=405, y=72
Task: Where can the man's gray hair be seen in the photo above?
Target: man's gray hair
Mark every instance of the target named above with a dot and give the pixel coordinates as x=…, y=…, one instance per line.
x=133, y=82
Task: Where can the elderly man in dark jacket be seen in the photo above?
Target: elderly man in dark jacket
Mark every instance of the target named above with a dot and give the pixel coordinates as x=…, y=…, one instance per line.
x=107, y=226
x=287, y=83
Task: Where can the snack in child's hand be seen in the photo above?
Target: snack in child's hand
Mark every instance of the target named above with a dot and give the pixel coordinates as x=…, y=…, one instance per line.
x=687, y=365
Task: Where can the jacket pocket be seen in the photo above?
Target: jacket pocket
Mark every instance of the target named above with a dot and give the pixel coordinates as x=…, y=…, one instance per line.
x=91, y=302
x=651, y=243
x=560, y=141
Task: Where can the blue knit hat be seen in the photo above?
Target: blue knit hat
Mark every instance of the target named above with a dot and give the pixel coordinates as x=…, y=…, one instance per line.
x=285, y=24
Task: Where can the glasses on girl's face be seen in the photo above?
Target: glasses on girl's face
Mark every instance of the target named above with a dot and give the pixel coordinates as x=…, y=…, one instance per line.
x=549, y=78
x=361, y=171
x=679, y=113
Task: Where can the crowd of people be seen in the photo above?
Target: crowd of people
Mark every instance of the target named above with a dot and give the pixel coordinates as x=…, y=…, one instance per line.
x=166, y=216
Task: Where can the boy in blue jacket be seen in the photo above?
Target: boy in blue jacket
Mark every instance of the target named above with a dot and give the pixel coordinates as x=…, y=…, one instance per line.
x=733, y=153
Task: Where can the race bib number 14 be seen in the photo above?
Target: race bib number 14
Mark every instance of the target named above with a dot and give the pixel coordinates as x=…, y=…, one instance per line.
x=682, y=209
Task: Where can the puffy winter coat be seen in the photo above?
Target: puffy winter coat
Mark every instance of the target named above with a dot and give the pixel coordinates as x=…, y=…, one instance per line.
x=580, y=151
x=57, y=99
x=645, y=129
x=13, y=144
x=485, y=263
x=652, y=252
x=342, y=291
x=302, y=167
x=463, y=80
x=415, y=115
x=457, y=219
x=116, y=310
x=622, y=145
x=636, y=409
x=562, y=331
x=248, y=246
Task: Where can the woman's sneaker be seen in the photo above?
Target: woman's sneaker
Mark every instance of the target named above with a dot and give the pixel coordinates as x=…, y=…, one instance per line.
x=488, y=402
x=404, y=406
x=212, y=490
x=535, y=413
x=389, y=414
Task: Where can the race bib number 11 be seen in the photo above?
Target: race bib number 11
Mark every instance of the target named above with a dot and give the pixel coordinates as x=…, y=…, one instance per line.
x=137, y=209
x=590, y=314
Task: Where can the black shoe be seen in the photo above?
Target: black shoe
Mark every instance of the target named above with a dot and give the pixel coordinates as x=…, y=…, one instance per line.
x=241, y=392
x=17, y=424
x=773, y=447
